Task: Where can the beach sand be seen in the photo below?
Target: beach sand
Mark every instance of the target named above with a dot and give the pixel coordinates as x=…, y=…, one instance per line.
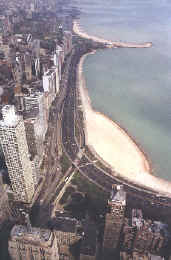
x=111, y=44
x=108, y=139
x=111, y=143
x=77, y=29
x=115, y=146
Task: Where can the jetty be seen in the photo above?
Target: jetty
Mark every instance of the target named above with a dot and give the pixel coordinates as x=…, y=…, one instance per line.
x=128, y=45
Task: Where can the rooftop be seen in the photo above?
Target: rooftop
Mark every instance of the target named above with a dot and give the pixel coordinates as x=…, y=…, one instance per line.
x=35, y=235
x=118, y=194
x=137, y=218
x=155, y=257
x=65, y=223
x=159, y=227
x=10, y=118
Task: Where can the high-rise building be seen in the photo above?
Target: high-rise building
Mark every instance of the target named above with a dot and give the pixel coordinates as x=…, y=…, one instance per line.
x=15, y=149
x=32, y=244
x=28, y=66
x=67, y=233
x=49, y=81
x=60, y=59
x=154, y=257
x=115, y=218
x=143, y=236
x=30, y=136
x=35, y=48
x=160, y=237
x=50, y=87
x=35, y=108
x=88, y=250
x=18, y=98
x=67, y=41
x=31, y=105
x=139, y=256
x=133, y=256
x=35, y=143
x=128, y=236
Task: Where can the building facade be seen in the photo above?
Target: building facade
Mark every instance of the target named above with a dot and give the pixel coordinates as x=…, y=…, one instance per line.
x=115, y=218
x=32, y=244
x=143, y=236
x=15, y=149
x=66, y=231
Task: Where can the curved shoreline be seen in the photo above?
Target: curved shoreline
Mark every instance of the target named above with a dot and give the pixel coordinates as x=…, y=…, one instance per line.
x=143, y=179
x=110, y=44
x=87, y=109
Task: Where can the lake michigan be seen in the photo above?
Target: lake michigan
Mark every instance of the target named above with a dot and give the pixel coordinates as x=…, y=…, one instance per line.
x=133, y=86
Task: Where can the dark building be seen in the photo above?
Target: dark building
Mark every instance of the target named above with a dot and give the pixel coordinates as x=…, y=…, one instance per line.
x=144, y=236
x=88, y=245
x=128, y=236
x=33, y=243
x=67, y=234
x=115, y=218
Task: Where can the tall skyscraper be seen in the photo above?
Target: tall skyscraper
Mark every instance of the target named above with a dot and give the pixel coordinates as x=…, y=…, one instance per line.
x=115, y=218
x=30, y=243
x=28, y=66
x=35, y=110
x=15, y=149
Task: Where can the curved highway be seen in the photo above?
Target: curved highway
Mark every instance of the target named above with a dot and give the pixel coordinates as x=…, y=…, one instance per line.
x=152, y=204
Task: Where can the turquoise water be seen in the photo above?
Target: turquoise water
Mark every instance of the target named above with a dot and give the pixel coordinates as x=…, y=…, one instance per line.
x=133, y=86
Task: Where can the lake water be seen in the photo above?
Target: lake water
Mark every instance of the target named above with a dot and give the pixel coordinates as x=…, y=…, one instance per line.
x=133, y=86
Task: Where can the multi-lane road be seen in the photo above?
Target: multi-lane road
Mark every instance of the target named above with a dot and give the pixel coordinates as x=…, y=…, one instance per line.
x=64, y=111
x=151, y=202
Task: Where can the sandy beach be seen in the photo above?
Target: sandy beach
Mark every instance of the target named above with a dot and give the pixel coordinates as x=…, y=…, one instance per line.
x=115, y=146
x=77, y=29
x=111, y=44
x=108, y=139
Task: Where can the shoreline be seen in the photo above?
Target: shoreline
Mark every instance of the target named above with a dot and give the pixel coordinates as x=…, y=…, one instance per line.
x=87, y=108
x=140, y=179
x=110, y=44
x=143, y=178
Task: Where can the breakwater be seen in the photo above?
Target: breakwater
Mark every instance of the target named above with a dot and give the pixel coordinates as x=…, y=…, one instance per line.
x=129, y=45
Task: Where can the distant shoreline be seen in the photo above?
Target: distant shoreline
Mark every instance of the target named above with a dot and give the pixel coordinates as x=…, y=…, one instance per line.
x=146, y=164
x=110, y=44
x=143, y=177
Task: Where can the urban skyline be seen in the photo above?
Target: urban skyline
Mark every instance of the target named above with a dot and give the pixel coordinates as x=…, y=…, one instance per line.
x=63, y=202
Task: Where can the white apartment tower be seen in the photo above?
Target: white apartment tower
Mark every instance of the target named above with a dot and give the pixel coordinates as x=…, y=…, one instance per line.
x=15, y=149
